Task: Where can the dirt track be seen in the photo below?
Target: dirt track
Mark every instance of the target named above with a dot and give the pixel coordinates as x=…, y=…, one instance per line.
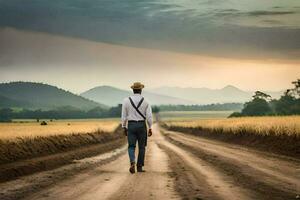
x=178, y=167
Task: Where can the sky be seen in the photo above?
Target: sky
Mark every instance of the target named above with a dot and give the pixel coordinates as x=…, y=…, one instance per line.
x=79, y=44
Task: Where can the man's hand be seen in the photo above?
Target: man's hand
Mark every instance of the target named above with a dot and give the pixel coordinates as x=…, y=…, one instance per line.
x=150, y=132
x=125, y=131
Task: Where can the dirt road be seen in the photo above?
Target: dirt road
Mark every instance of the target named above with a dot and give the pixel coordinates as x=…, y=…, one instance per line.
x=178, y=166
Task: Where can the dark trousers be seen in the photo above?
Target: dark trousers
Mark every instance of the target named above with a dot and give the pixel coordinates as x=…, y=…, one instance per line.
x=137, y=132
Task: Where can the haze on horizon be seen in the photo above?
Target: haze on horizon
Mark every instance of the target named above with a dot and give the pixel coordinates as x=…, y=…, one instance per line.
x=77, y=45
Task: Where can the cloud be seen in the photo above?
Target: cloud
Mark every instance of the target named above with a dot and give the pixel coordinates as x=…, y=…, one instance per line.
x=272, y=21
x=212, y=27
x=264, y=12
x=257, y=13
x=78, y=65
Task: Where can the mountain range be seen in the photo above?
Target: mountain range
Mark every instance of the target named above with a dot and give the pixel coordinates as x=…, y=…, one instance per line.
x=174, y=95
x=112, y=96
x=227, y=94
x=42, y=96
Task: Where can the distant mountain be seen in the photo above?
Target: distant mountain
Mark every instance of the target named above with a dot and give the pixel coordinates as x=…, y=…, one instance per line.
x=9, y=103
x=227, y=94
x=112, y=96
x=43, y=96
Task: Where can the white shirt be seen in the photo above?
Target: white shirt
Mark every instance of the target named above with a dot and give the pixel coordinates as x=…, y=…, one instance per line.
x=129, y=112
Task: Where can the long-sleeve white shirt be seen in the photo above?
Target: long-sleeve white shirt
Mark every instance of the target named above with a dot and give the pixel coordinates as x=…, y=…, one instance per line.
x=129, y=112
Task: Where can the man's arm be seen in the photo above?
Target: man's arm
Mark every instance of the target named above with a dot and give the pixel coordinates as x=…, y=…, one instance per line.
x=124, y=116
x=149, y=119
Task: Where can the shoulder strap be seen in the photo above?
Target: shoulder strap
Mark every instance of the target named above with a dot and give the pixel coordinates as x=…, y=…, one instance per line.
x=140, y=103
x=137, y=107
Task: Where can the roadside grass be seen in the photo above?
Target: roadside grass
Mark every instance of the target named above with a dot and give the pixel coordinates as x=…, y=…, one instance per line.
x=183, y=115
x=285, y=125
x=28, y=139
x=26, y=155
x=30, y=128
x=277, y=134
x=21, y=148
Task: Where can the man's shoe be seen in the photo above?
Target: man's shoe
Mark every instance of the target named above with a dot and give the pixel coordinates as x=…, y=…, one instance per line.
x=132, y=168
x=140, y=169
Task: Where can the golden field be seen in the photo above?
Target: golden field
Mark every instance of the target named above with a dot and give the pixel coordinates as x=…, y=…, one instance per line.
x=275, y=125
x=61, y=127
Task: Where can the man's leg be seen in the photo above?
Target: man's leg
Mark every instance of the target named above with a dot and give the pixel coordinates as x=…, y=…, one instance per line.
x=131, y=137
x=141, y=137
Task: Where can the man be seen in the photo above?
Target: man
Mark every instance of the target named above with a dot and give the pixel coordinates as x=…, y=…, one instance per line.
x=135, y=112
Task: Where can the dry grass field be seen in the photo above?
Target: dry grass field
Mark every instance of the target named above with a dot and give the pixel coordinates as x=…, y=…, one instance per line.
x=23, y=140
x=287, y=125
x=273, y=134
x=183, y=115
x=61, y=127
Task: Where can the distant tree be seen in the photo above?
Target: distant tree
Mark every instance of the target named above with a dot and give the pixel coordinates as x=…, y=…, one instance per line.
x=155, y=109
x=6, y=114
x=284, y=105
x=289, y=103
x=296, y=89
x=258, y=106
x=115, y=111
x=235, y=114
x=209, y=107
x=96, y=112
x=261, y=95
x=263, y=104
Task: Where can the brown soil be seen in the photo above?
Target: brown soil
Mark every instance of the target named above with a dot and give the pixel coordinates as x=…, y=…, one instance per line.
x=26, y=156
x=279, y=144
x=260, y=175
x=31, y=147
x=178, y=166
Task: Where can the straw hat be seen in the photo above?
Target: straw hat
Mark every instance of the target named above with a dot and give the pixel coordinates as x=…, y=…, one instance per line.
x=137, y=86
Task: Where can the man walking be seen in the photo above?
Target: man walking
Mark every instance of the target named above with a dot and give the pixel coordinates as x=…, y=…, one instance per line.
x=135, y=112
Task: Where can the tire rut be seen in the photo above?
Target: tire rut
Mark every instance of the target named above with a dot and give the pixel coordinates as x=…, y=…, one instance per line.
x=189, y=185
x=241, y=176
x=201, y=177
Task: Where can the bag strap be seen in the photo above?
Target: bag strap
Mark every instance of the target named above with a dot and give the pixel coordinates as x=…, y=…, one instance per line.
x=137, y=107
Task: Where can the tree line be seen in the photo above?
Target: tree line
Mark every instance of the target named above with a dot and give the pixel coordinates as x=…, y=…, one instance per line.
x=210, y=107
x=263, y=104
x=260, y=105
x=66, y=112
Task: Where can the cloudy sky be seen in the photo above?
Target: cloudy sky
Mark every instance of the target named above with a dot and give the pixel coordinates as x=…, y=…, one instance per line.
x=78, y=44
